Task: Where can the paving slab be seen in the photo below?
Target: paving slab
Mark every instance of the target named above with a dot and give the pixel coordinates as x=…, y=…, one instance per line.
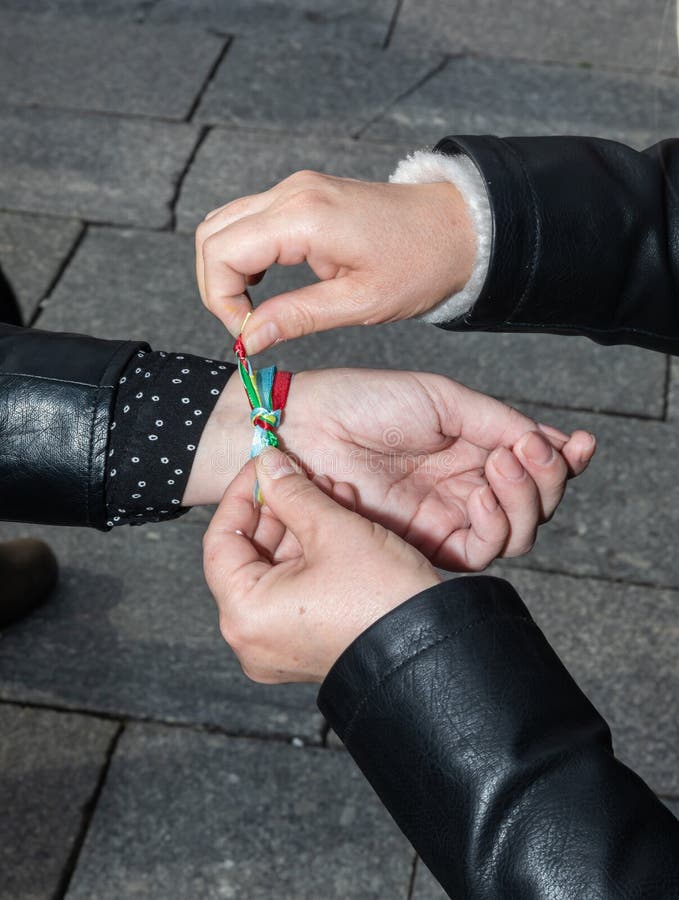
x=479, y=96
x=620, y=518
x=132, y=630
x=609, y=33
x=185, y=814
x=364, y=21
x=32, y=249
x=352, y=83
x=121, y=10
x=231, y=163
x=49, y=768
x=672, y=805
x=620, y=644
x=80, y=63
x=149, y=293
x=90, y=166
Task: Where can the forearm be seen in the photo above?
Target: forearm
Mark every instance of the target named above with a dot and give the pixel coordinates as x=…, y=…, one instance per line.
x=574, y=235
x=490, y=759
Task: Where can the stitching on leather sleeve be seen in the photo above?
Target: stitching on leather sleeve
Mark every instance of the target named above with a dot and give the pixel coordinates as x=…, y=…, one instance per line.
x=422, y=650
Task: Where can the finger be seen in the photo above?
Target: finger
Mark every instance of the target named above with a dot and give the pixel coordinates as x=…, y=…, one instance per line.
x=344, y=494
x=546, y=466
x=518, y=495
x=579, y=451
x=228, y=545
x=217, y=220
x=317, y=307
x=302, y=507
x=473, y=548
x=246, y=247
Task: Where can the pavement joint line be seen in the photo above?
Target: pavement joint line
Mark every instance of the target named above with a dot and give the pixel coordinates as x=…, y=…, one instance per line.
x=580, y=66
x=56, y=278
x=413, y=876
x=99, y=113
x=432, y=73
x=559, y=407
x=392, y=24
x=202, y=135
x=580, y=576
x=125, y=719
x=87, y=814
x=212, y=71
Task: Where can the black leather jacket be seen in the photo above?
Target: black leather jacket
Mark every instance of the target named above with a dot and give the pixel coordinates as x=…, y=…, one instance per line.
x=472, y=733
x=479, y=743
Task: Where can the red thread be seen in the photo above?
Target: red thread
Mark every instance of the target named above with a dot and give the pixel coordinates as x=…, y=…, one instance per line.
x=280, y=388
x=239, y=348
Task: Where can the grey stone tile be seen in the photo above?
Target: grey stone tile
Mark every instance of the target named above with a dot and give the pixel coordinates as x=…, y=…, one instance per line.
x=569, y=372
x=303, y=84
x=49, y=768
x=672, y=805
x=610, y=33
x=364, y=21
x=426, y=887
x=94, y=167
x=132, y=630
x=619, y=643
x=620, y=519
x=32, y=248
x=80, y=63
x=149, y=293
x=120, y=10
x=474, y=95
x=186, y=814
x=232, y=163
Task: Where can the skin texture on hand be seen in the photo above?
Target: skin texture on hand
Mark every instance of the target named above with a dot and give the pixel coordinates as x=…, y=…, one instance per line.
x=381, y=252
x=463, y=477
x=291, y=595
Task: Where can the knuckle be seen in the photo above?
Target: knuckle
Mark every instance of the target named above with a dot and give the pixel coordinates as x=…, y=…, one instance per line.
x=236, y=630
x=300, y=319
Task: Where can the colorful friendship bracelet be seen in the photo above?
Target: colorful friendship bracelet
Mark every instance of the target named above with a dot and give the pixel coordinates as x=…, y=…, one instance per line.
x=267, y=392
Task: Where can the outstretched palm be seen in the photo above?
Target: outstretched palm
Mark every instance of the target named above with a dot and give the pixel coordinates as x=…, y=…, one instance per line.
x=420, y=451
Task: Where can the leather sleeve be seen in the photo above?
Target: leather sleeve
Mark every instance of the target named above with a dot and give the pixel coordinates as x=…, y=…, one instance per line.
x=585, y=238
x=491, y=760
x=56, y=395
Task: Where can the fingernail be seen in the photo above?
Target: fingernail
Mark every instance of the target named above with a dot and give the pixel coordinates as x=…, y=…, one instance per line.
x=508, y=465
x=488, y=499
x=586, y=452
x=261, y=337
x=537, y=449
x=275, y=464
x=552, y=432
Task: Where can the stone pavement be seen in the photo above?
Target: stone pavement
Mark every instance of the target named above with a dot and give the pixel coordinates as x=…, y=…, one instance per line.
x=136, y=760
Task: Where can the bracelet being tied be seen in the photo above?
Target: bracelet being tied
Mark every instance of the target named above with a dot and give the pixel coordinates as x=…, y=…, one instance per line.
x=267, y=392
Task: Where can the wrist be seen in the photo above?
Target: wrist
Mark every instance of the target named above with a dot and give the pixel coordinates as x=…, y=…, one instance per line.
x=224, y=447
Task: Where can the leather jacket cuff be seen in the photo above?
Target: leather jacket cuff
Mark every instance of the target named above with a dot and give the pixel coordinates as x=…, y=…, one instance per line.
x=446, y=612
x=56, y=395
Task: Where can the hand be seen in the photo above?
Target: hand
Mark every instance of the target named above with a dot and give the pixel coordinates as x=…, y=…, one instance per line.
x=426, y=457
x=298, y=580
x=382, y=252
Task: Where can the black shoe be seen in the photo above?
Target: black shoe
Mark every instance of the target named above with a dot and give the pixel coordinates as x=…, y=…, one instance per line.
x=28, y=573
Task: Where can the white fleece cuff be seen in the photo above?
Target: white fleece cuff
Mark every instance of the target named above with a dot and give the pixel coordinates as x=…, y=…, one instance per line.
x=426, y=167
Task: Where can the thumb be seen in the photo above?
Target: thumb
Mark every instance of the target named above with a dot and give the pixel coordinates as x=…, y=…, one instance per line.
x=316, y=307
x=295, y=500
